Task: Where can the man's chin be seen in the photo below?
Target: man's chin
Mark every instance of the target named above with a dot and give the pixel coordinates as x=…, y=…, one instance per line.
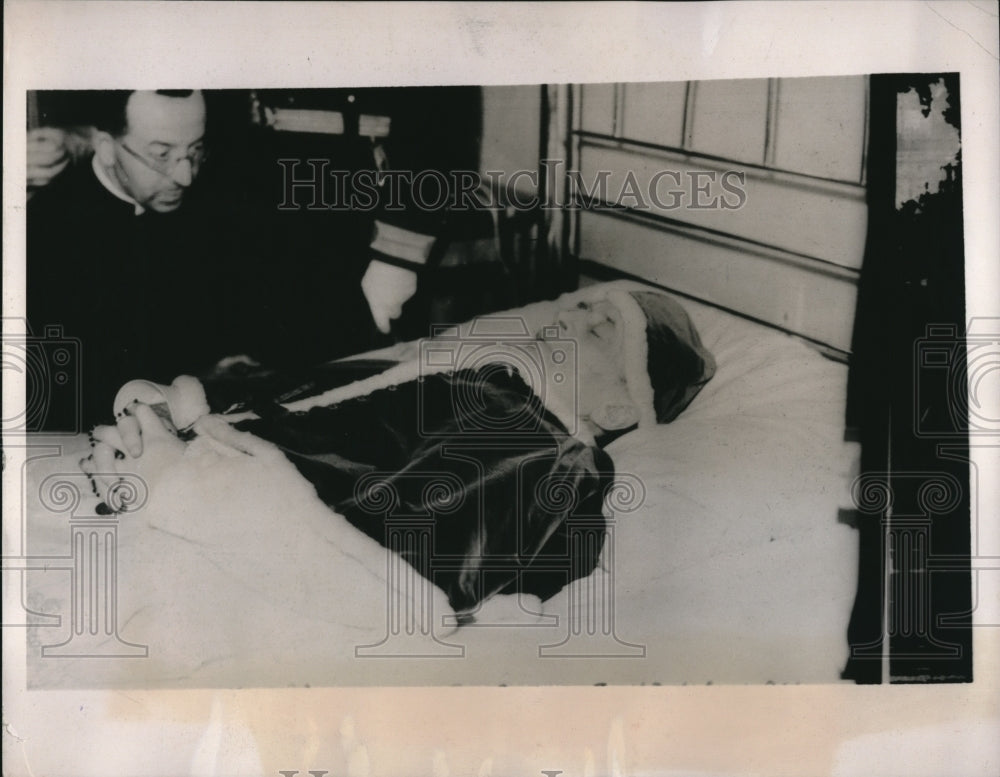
x=165, y=205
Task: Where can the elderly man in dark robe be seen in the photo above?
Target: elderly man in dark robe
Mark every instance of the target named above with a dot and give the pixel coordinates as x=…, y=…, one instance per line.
x=507, y=462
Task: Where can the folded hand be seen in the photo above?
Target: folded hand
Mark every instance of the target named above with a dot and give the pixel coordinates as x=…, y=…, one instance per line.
x=142, y=444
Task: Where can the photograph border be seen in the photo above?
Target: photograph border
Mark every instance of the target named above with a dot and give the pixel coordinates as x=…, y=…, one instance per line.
x=840, y=729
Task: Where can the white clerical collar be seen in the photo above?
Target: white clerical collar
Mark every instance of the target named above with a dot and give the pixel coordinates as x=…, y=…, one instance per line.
x=112, y=186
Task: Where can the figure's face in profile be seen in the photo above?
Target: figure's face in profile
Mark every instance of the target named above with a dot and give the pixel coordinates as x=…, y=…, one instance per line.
x=597, y=330
x=159, y=156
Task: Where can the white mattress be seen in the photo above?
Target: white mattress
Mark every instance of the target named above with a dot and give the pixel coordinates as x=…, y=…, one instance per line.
x=733, y=569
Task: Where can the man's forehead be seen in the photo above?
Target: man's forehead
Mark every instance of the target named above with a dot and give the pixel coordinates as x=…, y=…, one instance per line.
x=157, y=117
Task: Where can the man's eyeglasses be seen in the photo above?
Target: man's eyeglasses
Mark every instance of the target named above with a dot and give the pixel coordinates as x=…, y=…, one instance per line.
x=164, y=163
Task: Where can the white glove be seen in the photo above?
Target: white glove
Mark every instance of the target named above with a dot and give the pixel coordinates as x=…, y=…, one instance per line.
x=387, y=288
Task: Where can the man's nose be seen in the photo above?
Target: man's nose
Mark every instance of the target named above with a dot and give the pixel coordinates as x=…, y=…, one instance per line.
x=182, y=174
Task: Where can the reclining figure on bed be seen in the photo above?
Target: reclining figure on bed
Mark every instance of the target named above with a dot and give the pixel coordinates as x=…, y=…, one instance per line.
x=504, y=465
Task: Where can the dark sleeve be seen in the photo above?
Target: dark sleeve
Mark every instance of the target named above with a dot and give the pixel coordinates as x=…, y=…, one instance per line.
x=243, y=387
x=433, y=146
x=64, y=396
x=312, y=244
x=50, y=275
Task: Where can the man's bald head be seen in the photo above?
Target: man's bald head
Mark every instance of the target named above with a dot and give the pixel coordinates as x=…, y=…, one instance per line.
x=111, y=108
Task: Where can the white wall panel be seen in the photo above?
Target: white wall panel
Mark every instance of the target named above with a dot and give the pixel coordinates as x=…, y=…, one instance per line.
x=597, y=108
x=820, y=128
x=654, y=113
x=730, y=119
x=827, y=221
x=807, y=300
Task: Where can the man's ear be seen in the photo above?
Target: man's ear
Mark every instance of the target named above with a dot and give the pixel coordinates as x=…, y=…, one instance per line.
x=615, y=416
x=104, y=148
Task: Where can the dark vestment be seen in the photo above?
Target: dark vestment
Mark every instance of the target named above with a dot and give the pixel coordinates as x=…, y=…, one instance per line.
x=157, y=295
x=466, y=475
x=145, y=295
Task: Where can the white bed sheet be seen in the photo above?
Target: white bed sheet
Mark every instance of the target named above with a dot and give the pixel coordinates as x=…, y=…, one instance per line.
x=736, y=568
x=733, y=569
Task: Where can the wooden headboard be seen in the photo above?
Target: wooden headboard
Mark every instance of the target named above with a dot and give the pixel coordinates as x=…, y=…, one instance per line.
x=748, y=195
